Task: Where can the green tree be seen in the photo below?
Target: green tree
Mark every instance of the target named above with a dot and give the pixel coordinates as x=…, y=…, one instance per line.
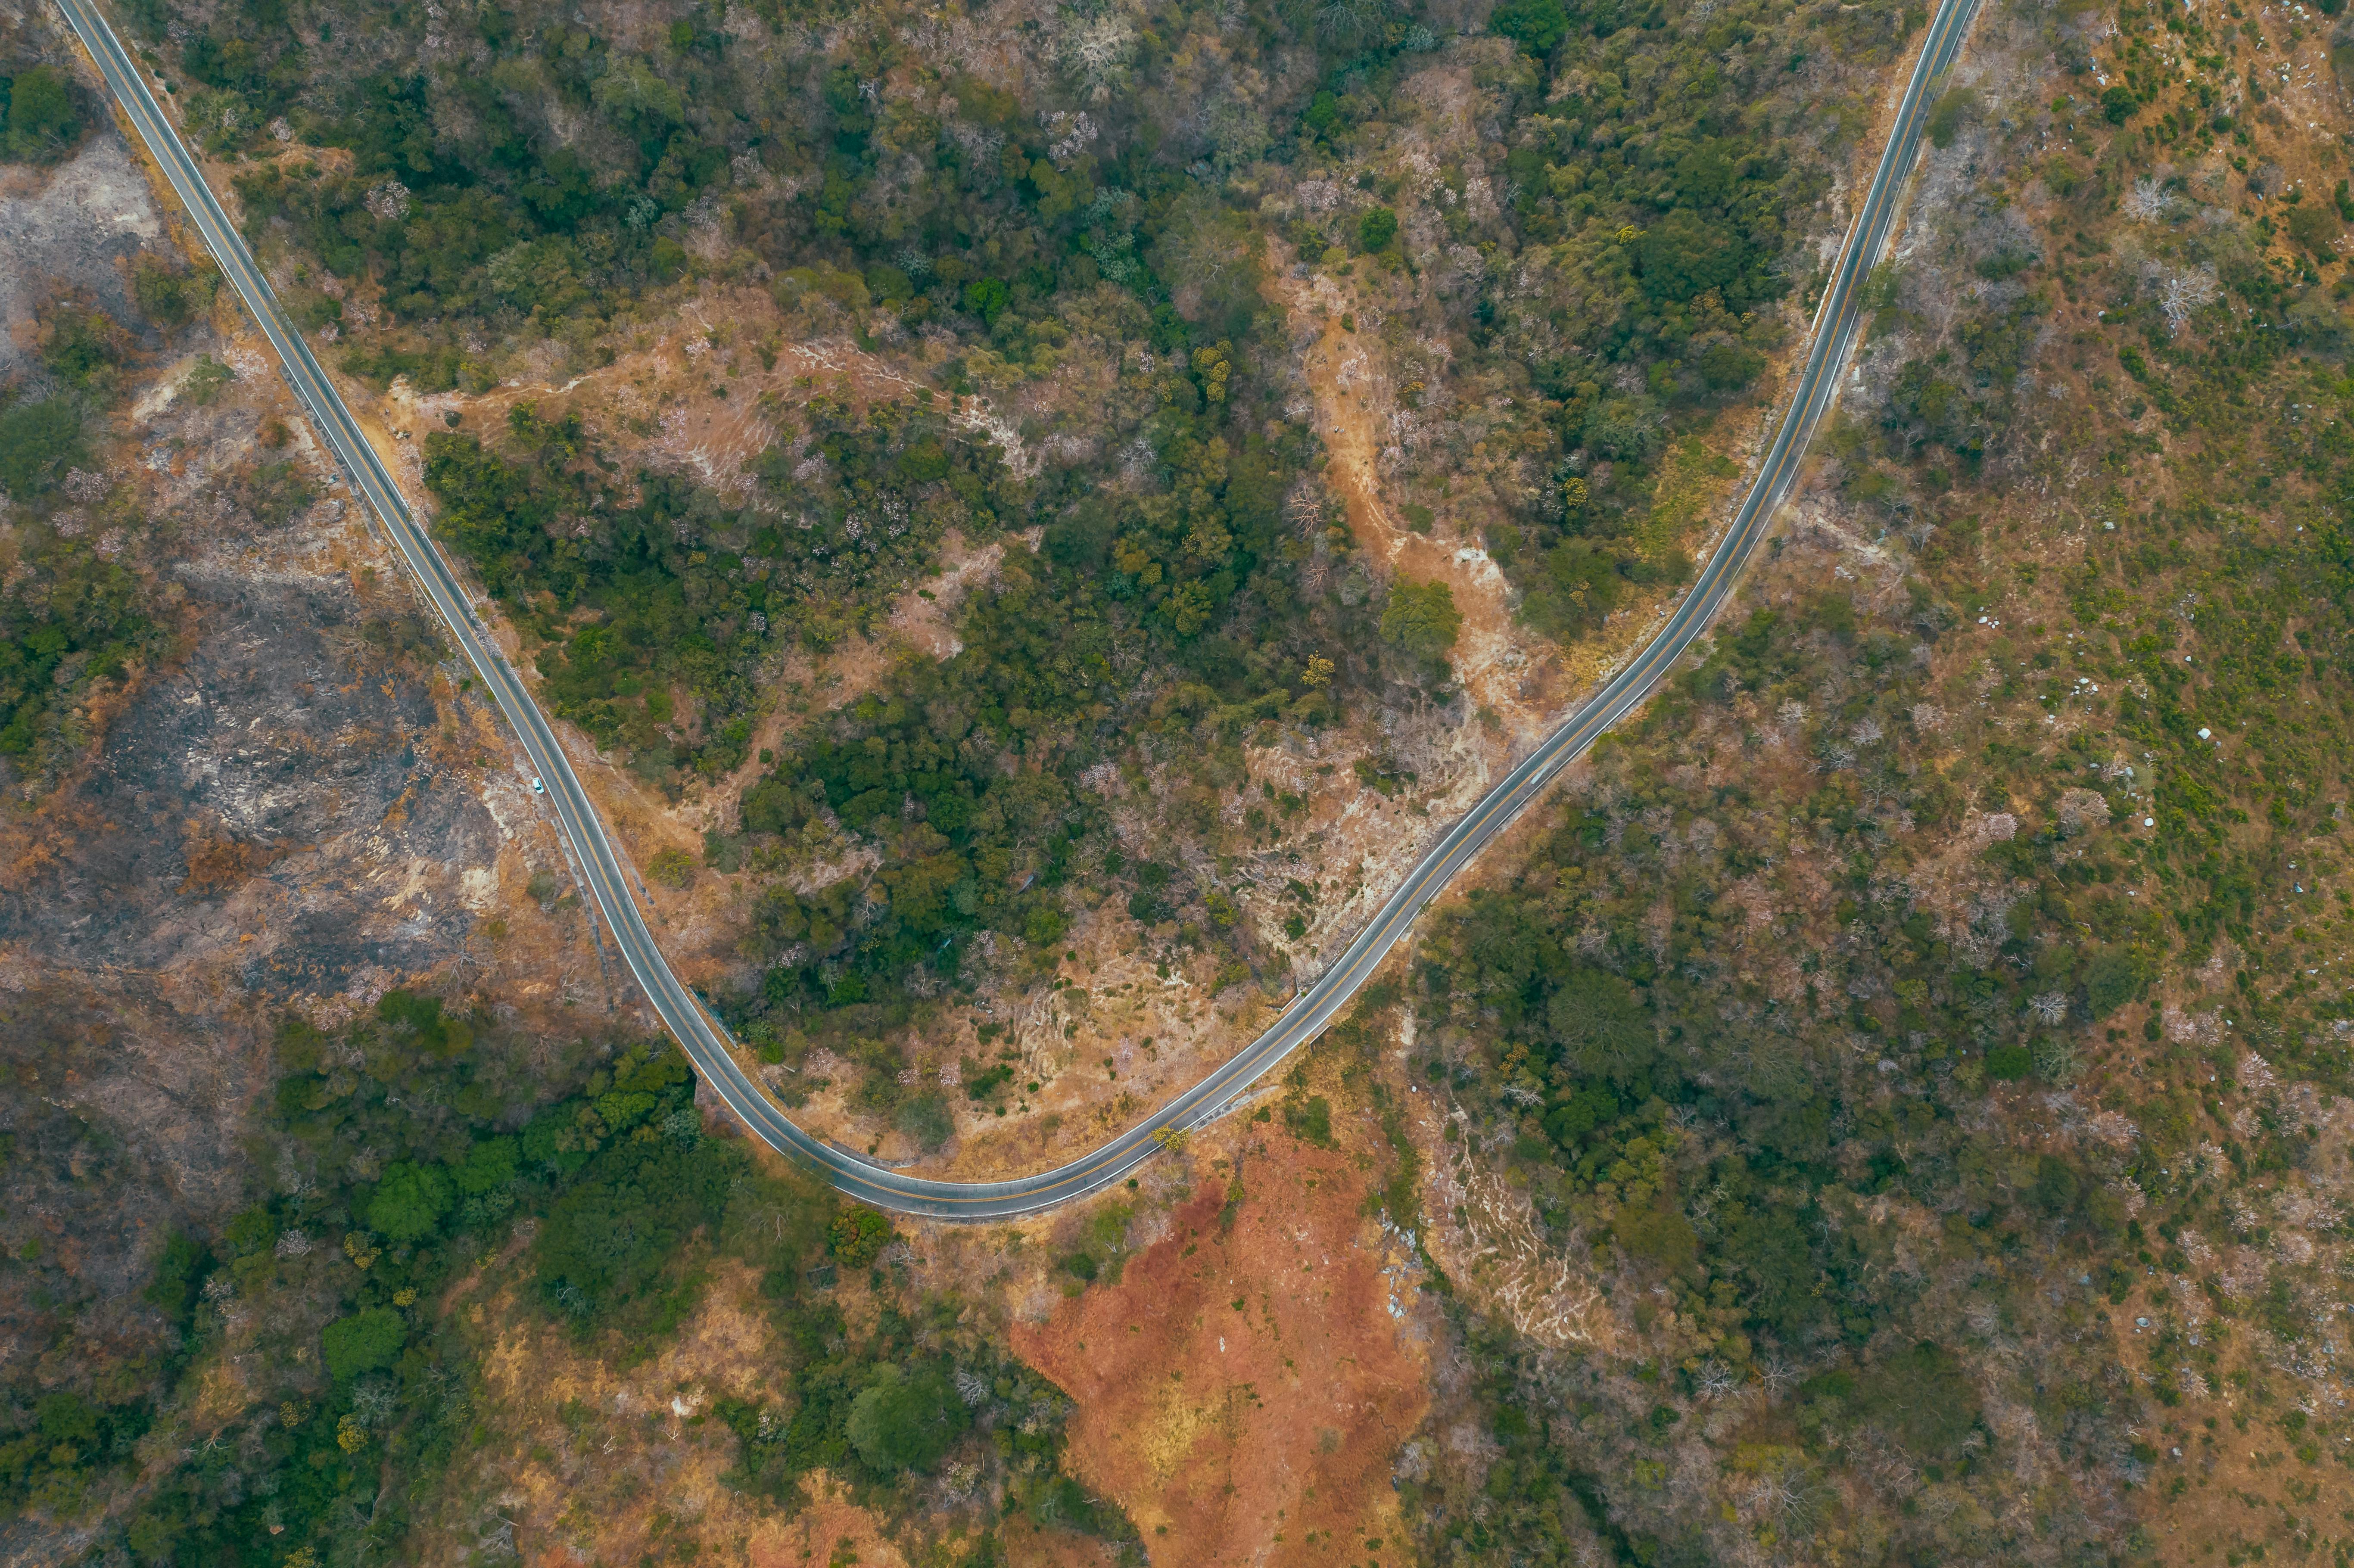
x=2114, y=978
x=39, y=441
x=987, y=298
x=166, y=296
x=1537, y=26
x=1726, y=366
x=1924, y=1397
x=2315, y=225
x=1421, y=620
x=488, y=1166
x=636, y=98
x=2320, y=327
x=605, y=1242
x=409, y=1203
x=1946, y=117
x=1625, y=429
x=858, y=1237
x=39, y=118
x=1770, y=1257
x=173, y=1291
x=85, y=347
x=1657, y=1233
x=1377, y=228
x=906, y=1421
x=1310, y=1120
x=361, y=1342
x=925, y=1117
x=1602, y=1027
x=1685, y=255
x=152, y=1538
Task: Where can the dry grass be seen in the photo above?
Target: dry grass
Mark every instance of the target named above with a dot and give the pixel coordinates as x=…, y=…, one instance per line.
x=585, y=1463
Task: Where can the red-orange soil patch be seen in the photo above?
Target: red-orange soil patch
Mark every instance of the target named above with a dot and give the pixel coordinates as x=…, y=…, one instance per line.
x=1242, y=1389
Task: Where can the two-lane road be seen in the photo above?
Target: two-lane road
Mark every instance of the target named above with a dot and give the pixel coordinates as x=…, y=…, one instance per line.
x=705, y=1045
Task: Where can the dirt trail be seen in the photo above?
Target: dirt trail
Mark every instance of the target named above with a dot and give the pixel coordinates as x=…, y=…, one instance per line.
x=1528, y=681
x=1521, y=676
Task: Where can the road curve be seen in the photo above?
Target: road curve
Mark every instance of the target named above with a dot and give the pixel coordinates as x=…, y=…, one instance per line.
x=704, y=1040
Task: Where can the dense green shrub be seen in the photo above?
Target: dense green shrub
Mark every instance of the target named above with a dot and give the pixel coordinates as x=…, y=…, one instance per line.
x=39, y=439
x=1537, y=26
x=363, y=1342
x=1421, y=620
x=37, y=119
x=905, y=1420
x=410, y=1202
x=858, y=1237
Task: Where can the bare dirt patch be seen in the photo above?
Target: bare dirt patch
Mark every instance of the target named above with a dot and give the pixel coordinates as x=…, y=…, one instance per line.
x=81, y=223
x=1242, y=1389
x=1507, y=668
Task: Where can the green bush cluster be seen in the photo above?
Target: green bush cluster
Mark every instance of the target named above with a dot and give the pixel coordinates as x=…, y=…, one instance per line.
x=964, y=775
x=377, y=1392
x=2141, y=763
x=39, y=122
x=678, y=595
x=1650, y=174
x=77, y=621
x=40, y=439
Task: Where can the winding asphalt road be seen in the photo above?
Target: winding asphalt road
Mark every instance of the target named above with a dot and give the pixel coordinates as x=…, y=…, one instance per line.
x=704, y=1042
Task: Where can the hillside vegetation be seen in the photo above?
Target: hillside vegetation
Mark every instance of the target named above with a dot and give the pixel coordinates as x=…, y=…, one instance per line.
x=1891, y=1106
x=1924, y=1026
